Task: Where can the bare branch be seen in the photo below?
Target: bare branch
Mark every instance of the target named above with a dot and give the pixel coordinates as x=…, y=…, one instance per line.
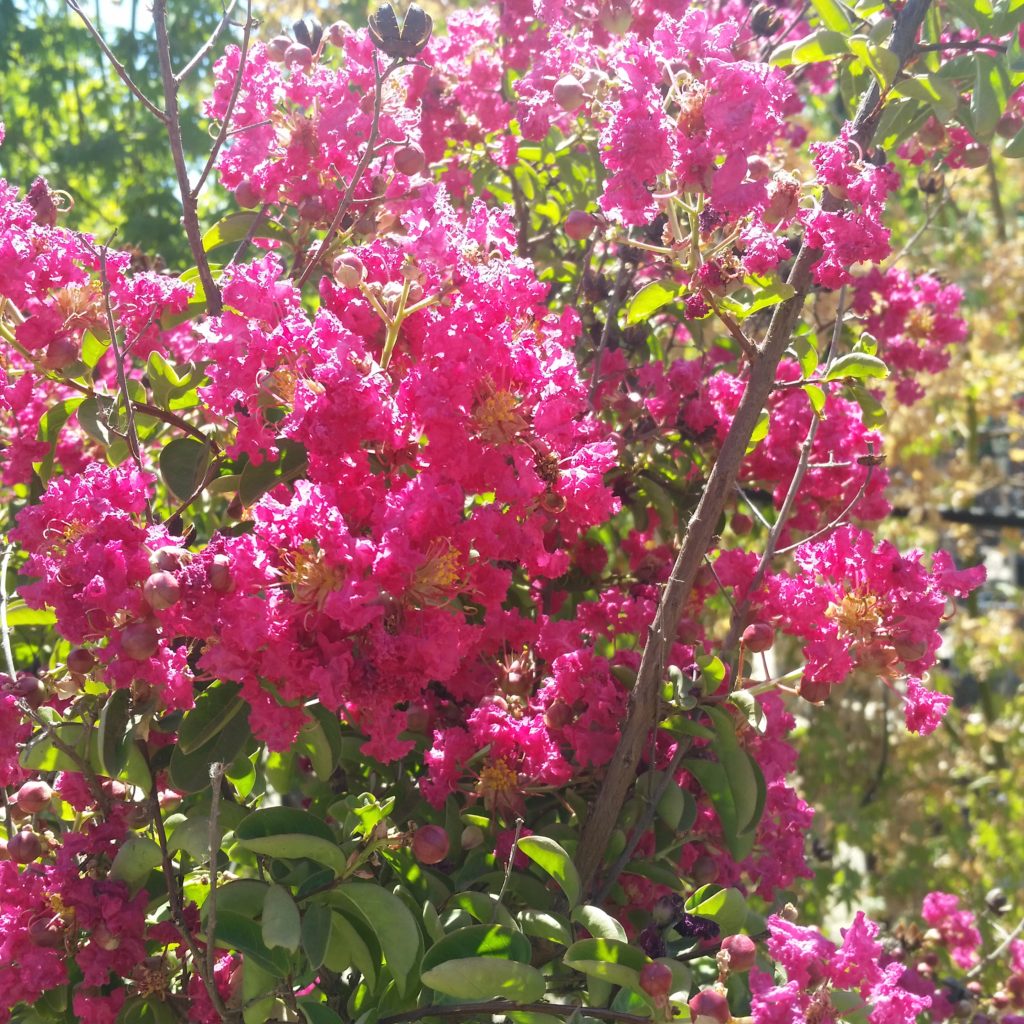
x=190, y=215
x=208, y=45
x=122, y=72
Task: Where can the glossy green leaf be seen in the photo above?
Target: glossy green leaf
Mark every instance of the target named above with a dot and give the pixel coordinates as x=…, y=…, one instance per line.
x=273, y=821
x=51, y=424
x=599, y=923
x=183, y=464
x=42, y=754
x=857, y=366
x=726, y=907
x=347, y=948
x=481, y=978
x=547, y=854
x=214, y=710
x=541, y=925
x=987, y=97
x=652, y=297
x=94, y=418
x=280, y=924
x=316, y=933
x=190, y=772
x=760, y=431
x=256, y=480
x=609, y=959
x=484, y=906
x=114, y=735
x=236, y=932
x=297, y=846
x=492, y=940
x=136, y=857
x=391, y=921
x=832, y=14
x=235, y=226
x=20, y=615
x=824, y=44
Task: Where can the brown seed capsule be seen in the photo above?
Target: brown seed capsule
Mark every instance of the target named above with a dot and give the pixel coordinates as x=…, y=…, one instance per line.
x=765, y=21
x=400, y=41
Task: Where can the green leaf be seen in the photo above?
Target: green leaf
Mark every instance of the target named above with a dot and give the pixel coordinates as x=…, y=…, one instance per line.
x=726, y=907
x=280, y=924
x=873, y=412
x=760, y=431
x=42, y=754
x=484, y=906
x=391, y=921
x=714, y=780
x=236, y=226
x=316, y=933
x=192, y=836
x=273, y=821
x=987, y=97
x=599, y=923
x=541, y=925
x=214, y=709
x=347, y=948
x=318, y=1013
x=832, y=14
x=93, y=349
x=609, y=959
x=312, y=742
x=816, y=397
x=94, y=418
x=183, y=465
x=256, y=480
x=650, y=299
x=114, y=733
x=136, y=857
x=51, y=424
x=296, y=846
x=824, y=44
x=858, y=366
x=879, y=60
x=480, y=978
x=236, y=932
x=556, y=862
x=190, y=772
x=739, y=768
x=476, y=940
x=19, y=614
x=941, y=95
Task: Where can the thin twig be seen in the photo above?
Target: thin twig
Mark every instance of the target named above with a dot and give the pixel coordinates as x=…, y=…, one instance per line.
x=122, y=72
x=749, y=348
x=232, y=100
x=190, y=214
x=208, y=45
x=380, y=77
x=623, y=281
x=994, y=955
x=8, y=653
x=508, y=867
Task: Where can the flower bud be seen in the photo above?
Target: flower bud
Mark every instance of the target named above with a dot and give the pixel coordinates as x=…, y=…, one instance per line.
x=931, y=134
x=430, y=844
x=29, y=688
x=278, y=47
x=758, y=637
x=24, y=847
x=742, y=952
x=61, y=353
x=580, y=225
x=568, y=93
x=161, y=591
x=245, y=196
x=709, y=1006
x=309, y=31
x=814, y=691
x=410, y=159
x=80, y=661
x=656, y=980
x=140, y=640
x=1009, y=125
x=33, y=797
x=221, y=579
x=300, y=55
x=349, y=270
x=704, y=870
x=336, y=33
x=975, y=155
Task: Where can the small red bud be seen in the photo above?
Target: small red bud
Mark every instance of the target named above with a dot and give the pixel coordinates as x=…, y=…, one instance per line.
x=33, y=797
x=430, y=844
x=80, y=661
x=220, y=574
x=61, y=353
x=300, y=55
x=741, y=524
x=975, y=155
x=568, y=92
x=656, y=980
x=140, y=640
x=758, y=637
x=742, y=952
x=349, y=270
x=161, y=590
x=410, y=159
x=24, y=847
x=814, y=691
x=278, y=47
x=1008, y=125
x=579, y=225
x=245, y=196
x=709, y=1006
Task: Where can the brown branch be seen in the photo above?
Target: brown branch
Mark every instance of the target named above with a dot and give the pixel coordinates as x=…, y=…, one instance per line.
x=503, y=1006
x=749, y=348
x=208, y=45
x=122, y=72
x=643, y=701
x=232, y=100
x=190, y=213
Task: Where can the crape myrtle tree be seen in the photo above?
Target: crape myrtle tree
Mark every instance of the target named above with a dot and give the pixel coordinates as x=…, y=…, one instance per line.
x=406, y=606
